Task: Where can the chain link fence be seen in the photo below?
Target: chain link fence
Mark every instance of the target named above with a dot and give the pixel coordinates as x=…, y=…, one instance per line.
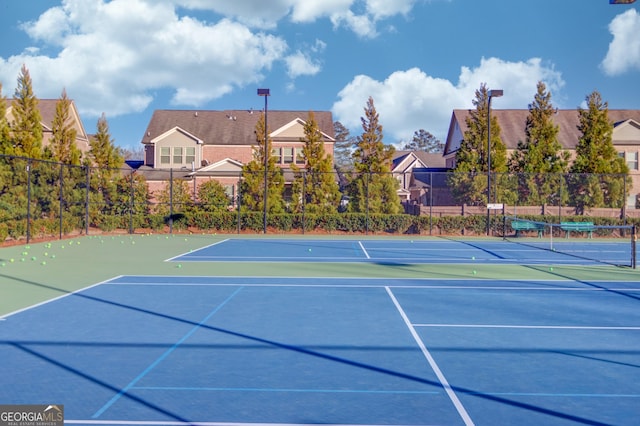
x=47, y=199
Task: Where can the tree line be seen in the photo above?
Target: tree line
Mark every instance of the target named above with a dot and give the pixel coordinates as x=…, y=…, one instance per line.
x=540, y=171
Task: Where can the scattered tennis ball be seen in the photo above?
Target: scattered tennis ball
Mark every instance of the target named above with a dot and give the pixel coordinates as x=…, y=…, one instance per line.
x=22, y=260
x=475, y=272
x=27, y=247
x=12, y=260
x=551, y=269
x=179, y=266
x=33, y=258
x=53, y=256
x=473, y=258
x=3, y=264
x=309, y=249
x=44, y=263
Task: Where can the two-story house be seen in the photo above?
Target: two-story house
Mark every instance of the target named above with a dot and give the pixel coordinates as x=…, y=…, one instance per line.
x=203, y=145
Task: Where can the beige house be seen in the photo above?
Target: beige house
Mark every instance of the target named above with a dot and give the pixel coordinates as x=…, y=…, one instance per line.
x=405, y=163
x=626, y=136
x=204, y=145
x=47, y=108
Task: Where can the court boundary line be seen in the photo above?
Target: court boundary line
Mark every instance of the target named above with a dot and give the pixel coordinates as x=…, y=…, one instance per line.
x=171, y=259
x=432, y=362
x=532, y=327
x=68, y=293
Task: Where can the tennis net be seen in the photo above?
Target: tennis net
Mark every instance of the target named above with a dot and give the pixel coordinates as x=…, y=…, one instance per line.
x=607, y=244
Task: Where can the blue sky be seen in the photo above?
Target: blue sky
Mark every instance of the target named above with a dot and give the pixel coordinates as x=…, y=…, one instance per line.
x=418, y=59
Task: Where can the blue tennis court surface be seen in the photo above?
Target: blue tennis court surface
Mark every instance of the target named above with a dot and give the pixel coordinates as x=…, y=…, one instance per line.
x=532, y=252
x=159, y=350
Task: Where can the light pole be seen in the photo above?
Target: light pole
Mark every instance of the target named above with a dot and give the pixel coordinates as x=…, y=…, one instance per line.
x=496, y=93
x=265, y=93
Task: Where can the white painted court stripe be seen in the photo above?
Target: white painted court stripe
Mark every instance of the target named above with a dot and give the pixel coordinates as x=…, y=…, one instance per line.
x=541, y=327
x=364, y=250
x=171, y=259
x=174, y=423
x=432, y=362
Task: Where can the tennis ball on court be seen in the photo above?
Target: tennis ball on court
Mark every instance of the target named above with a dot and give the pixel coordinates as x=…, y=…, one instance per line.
x=3, y=264
x=53, y=256
x=22, y=260
x=33, y=258
x=27, y=247
x=44, y=263
x=475, y=272
x=309, y=249
x=473, y=258
x=179, y=266
x=12, y=260
x=551, y=269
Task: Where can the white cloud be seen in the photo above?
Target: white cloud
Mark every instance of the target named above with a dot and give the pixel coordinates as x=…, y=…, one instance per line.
x=300, y=64
x=112, y=56
x=363, y=25
x=411, y=100
x=624, y=49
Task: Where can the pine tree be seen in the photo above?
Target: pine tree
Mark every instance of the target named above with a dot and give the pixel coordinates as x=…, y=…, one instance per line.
x=599, y=173
x=374, y=189
x=342, y=150
x=252, y=185
x=26, y=127
x=5, y=133
x=539, y=160
x=63, y=146
x=469, y=180
x=424, y=141
x=105, y=159
x=315, y=189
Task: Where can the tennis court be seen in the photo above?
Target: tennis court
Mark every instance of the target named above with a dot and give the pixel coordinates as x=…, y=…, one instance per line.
x=216, y=331
x=528, y=252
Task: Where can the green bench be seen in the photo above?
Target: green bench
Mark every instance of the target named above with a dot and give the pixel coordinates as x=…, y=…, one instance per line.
x=569, y=227
x=523, y=225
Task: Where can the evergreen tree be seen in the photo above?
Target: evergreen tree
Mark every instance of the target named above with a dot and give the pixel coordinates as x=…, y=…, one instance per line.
x=599, y=173
x=63, y=146
x=539, y=159
x=213, y=197
x=26, y=127
x=343, y=148
x=424, y=141
x=315, y=189
x=105, y=160
x=374, y=189
x=252, y=185
x=469, y=178
x=5, y=133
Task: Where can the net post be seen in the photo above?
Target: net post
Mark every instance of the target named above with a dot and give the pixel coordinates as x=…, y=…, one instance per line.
x=633, y=246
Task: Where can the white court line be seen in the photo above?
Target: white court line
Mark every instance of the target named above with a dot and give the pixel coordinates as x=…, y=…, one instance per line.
x=201, y=248
x=68, y=293
x=541, y=327
x=364, y=250
x=174, y=423
x=432, y=362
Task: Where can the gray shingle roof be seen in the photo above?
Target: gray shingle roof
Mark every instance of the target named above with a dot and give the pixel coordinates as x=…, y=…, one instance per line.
x=231, y=127
x=513, y=121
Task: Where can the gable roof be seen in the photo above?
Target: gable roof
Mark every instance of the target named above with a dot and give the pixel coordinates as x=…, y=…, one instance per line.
x=513, y=121
x=47, y=108
x=404, y=160
x=230, y=127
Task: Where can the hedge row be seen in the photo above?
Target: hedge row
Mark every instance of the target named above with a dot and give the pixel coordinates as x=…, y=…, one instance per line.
x=227, y=222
